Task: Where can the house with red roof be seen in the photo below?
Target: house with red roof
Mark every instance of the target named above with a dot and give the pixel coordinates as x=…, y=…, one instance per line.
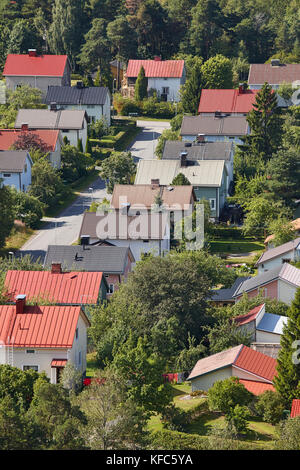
x=50, y=139
x=37, y=70
x=57, y=287
x=218, y=103
x=295, y=411
x=164, y=76
x=254, y=370
x=43, y=338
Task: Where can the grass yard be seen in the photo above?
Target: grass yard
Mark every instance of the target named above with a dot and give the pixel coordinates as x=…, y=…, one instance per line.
x=19, y=236
x=261, y=435
x=91, y=364
x=236, y=246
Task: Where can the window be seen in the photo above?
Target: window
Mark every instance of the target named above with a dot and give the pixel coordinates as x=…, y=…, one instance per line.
x=76, y=333
x=36, y=368
x=111, y=288
x=6, y=175
x=30, y=351
x=90, y=106
x=145, y=241
x=212, y=204
x=25, y=168
x=165, y=90
x=79, y=357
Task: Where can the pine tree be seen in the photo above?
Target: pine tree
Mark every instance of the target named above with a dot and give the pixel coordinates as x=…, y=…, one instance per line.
x=180, y=180
x=79, y=145
x=141, y=84
x=287, y=382
x=191, y=91
x=88, y=146
x=265, y=123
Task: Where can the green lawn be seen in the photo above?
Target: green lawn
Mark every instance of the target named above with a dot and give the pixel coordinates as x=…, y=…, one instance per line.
x=236, y=246
x=260, y=434
x=91, y=364
x=17, y=239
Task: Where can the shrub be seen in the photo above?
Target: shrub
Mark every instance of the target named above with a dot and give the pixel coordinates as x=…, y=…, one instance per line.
x=270, y=407
x=289, y=435
x=173, y=440
x=174, y=418
x=198, y=393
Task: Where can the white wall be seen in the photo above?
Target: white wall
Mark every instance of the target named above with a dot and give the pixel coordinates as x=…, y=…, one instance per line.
x=205, y=382
x=139, y=246
x=160, y=83
x=20, y=181
x=286, y=291
x=267, y=337
x=276, y=262
x=73, y=135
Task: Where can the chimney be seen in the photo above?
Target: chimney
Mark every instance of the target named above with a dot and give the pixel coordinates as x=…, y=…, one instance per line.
x=218, y=114
x=53, y=106
x=125, y=208
x=241, y=88
x=155, y=183
x=79, y=84
x=275, y=62
x=183, y=161
x=157, y=58
x=24, y=126
x=56, y=268
x=84, y=240
x=32, y=53
x=200, y=138
x=20, y=303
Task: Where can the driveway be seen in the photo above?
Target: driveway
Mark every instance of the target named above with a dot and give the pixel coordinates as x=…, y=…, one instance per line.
x=144, y=145
x=64, y=229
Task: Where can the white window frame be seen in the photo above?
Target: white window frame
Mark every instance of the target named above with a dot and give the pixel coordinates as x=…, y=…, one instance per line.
x=30, y=367
x=213, y=206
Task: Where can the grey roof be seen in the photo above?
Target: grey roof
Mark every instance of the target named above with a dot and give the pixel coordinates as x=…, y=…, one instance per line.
x=72, y=95
x=12, y=160
x=286, y=272
x=205, y=173
x=203, y=151
x=278, y=250
x=272, y=323
x=47, y=119
x=107, y=259
x=211, y=125
x=223, y=295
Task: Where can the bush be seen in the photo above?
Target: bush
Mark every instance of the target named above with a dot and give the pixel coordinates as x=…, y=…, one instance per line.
x=174, y=418
x=289, y=435
x=198, y=393
x=270, y=407
x=130, y=106
x=173, y=440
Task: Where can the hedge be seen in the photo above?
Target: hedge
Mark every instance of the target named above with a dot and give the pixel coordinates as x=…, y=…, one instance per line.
x=174, y=440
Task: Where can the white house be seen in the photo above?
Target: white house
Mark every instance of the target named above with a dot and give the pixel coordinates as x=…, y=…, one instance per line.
x=15, y=169
x=143, y=234
x=43, y=338
x=165, y=77
x=253, y=369
x=36, y=70
x=71, y=122
x=95, y=101
x=275, y=257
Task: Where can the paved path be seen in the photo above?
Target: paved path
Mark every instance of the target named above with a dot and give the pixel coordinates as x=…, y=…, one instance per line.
x=64, y=229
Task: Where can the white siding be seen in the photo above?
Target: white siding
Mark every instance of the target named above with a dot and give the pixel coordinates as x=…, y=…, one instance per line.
x=267, y=337
x=286, y=292
x=275, y=262
x=172, y=83
x=205, y=382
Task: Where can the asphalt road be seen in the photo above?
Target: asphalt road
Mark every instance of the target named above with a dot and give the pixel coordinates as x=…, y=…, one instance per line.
x=64, y=229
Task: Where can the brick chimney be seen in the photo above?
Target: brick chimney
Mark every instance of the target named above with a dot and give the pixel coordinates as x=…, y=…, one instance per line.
x=155, y=183
x=20, y=303
x=183, y=161
x=24, y=126
x=32, y=52
x=157, y=58
x=56, y=268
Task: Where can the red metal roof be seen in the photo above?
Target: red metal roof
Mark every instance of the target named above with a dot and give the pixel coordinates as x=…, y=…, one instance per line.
x=65, y=288
x=59, y=362
x=248, y=317
x=295, y=411
x=40, y=326
x=41, y=65
x=226, y=101
x=241, y=357
x=156, y=68
x=9, y=136
x=257, y=388
x=256, y=363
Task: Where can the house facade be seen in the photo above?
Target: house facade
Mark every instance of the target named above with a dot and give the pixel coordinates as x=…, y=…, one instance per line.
x=275, y=257
x=208, y=177
x=164, y=77
x=43, y=338
x=71, y=123
x=275, y=73
x=51, y=138
x=280, y=283
x=255, y=370
x=37, y=71
x=95, y=101
x=115, y=262
x=217, y=128
x=15, y=169
x=143, y=234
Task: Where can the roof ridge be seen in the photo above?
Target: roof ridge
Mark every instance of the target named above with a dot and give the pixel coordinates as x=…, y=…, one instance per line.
x=238, y=353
